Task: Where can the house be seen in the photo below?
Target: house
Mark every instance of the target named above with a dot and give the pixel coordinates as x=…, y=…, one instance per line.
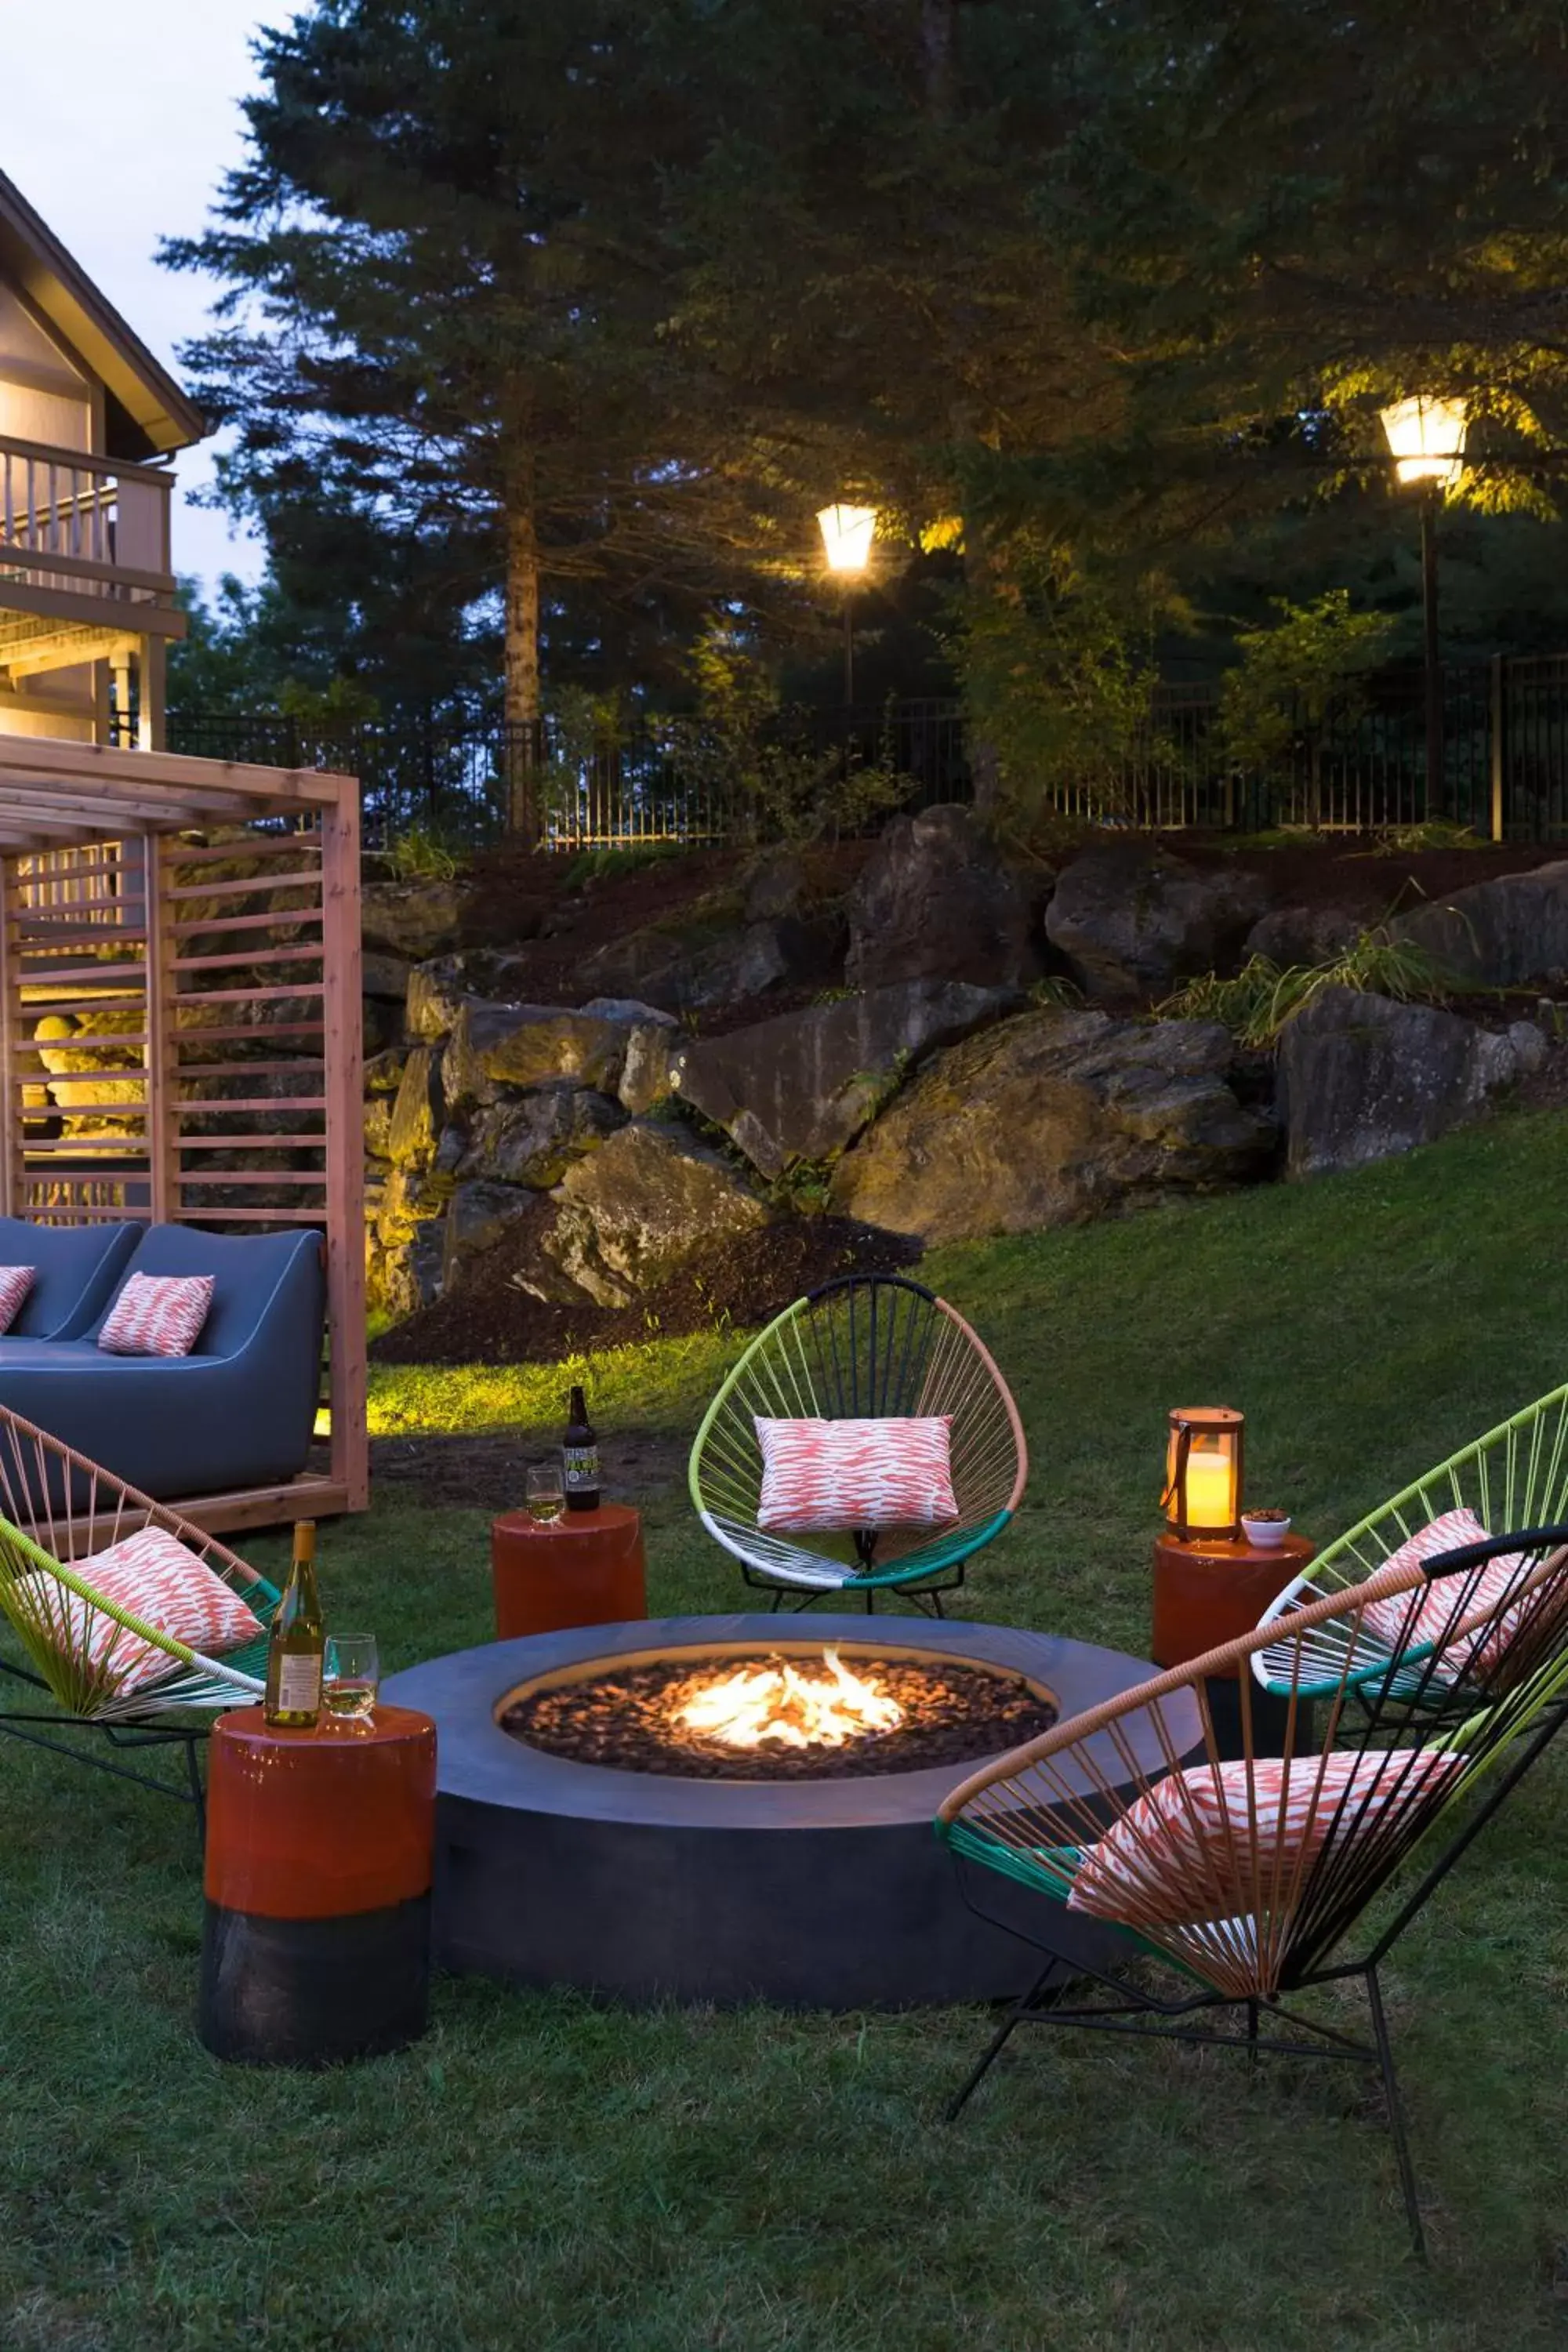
x=89, y=423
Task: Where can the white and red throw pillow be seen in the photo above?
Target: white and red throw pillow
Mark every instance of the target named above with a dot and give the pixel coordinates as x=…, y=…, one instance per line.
x=157, y=1315
x=154, y=1576
x=1407, y=1620
x=15, y=1281
x=1197, y=1845
x=822, y=1477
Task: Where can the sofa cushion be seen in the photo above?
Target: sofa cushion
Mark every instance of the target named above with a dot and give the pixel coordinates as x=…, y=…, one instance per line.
x=157, y=1315
x=15, y=1281
x=252, y=1273
x=75, y=1269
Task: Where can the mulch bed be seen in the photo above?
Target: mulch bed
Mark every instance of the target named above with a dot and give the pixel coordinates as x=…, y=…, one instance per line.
x=1368, y=882
x=954, y=1715
x=518, y=902
x=488, y=1319
x=486, y=1473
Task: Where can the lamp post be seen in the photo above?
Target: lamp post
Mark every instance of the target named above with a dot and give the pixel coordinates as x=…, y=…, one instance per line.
x=847, y=535
x=1426, y=440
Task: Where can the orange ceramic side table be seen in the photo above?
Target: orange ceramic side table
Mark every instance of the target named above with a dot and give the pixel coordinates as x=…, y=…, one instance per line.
x=316, y=1945
x=586, y=1568
x=1214, y=1588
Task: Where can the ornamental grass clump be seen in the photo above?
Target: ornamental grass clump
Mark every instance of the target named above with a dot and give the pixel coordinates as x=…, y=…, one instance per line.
x=1257, y=1002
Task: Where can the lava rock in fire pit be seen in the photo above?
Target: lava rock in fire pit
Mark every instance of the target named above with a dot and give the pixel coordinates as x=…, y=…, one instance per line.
x=788, y=1719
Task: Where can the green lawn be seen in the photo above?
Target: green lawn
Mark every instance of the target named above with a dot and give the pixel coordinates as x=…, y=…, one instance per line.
x=545, y=2175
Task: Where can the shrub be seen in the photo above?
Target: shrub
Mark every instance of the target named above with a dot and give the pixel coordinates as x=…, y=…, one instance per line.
x=1262, y=996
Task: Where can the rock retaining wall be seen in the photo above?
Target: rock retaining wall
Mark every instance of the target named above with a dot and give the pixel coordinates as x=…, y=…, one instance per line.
x=978, y=1056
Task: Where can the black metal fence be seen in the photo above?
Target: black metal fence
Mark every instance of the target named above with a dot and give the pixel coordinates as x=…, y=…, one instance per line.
x=1361, y=767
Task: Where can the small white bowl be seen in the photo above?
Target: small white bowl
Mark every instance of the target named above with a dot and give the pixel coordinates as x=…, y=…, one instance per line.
x=1263, y=1534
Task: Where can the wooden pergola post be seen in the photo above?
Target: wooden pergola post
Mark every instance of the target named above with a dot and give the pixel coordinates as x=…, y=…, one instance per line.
x=180, y=1026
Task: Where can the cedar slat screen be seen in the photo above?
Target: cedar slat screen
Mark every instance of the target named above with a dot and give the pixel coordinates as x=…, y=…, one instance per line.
x=158, y=994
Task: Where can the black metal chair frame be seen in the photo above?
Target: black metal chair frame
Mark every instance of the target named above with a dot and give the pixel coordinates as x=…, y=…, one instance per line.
x=122, y=1738
x=1134, y=2008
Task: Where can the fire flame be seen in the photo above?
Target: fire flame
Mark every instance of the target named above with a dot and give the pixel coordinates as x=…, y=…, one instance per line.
x=789, y=1703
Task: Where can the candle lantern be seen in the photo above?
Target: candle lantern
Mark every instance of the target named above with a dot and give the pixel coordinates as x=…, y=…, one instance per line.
x=1203, y=1471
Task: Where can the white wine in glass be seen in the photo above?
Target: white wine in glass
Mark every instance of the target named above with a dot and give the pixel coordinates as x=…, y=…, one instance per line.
x=546, y=1493
x=351, y=1678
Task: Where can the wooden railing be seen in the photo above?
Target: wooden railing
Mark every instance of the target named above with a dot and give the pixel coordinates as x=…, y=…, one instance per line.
x=75, y=525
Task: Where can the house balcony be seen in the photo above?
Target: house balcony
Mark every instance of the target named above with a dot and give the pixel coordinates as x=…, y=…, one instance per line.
x=84, y=564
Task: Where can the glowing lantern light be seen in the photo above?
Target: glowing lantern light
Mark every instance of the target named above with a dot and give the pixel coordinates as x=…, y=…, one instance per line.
x=1427, y=439
x=1203, y=1471
x=847, y=535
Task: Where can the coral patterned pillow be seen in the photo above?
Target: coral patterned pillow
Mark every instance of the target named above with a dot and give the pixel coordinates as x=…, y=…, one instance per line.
x=1407, y=1620
x=157, y=1315
x=823, y=1477
x=15, y=1281
x=154, y=1576
x=1184, y=1851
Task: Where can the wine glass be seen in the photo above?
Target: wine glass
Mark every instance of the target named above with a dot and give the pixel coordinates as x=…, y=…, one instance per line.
x=351, y=1676
x=546, y=1493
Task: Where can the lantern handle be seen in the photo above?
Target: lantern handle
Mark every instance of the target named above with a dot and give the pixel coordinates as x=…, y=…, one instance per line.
x=1184, y=1448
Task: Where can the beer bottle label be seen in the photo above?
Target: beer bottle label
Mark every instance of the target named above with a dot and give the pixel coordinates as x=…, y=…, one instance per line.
x=581, y=1467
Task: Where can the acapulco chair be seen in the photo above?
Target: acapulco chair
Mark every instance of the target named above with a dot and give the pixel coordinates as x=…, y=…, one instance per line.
x=867, y=1346
x=58, y=1507
x=1514, y=1476
x=1245, y=1880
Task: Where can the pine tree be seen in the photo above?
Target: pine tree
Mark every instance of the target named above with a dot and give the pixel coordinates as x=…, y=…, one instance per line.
x=448, y=280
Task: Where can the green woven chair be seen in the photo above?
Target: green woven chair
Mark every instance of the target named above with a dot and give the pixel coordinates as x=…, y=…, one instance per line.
x=56, y=1509
x=870, y=1347
x=1514, y=1476
x=1242, y=1885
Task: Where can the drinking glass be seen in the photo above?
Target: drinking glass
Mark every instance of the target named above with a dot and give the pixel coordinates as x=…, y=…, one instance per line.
x=351, y=1676
x=546, y=1493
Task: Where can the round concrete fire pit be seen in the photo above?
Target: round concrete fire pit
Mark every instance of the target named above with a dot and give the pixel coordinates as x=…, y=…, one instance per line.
x=829, y=1892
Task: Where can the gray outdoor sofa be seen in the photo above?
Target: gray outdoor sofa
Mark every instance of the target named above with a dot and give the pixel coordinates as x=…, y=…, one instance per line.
x=237, y=1411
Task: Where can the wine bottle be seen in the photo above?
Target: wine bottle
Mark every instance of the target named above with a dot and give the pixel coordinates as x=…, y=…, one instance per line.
x=295, y=1651
x=580, y=1457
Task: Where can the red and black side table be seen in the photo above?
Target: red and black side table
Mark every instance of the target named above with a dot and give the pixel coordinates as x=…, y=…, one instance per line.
x=316, y=1944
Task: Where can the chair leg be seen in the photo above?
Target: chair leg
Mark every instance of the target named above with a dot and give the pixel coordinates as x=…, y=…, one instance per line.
x=198, y=1794
x=1396, y=2112
x=999, y=2040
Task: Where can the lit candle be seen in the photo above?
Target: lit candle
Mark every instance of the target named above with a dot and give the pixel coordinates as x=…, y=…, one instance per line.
x=1209, y=1504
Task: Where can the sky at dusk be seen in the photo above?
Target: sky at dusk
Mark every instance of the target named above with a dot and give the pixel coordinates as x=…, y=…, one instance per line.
x=117, y=124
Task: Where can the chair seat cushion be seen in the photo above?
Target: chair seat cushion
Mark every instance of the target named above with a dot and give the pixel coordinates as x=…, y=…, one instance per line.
x=1410, y=1620
x=157, y=1315
x=151, y=1575
x=1217, y=1841
x=834, y=1477
x=15, y=1281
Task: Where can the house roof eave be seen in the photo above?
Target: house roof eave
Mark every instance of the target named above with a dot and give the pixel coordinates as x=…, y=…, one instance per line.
x=159, y=411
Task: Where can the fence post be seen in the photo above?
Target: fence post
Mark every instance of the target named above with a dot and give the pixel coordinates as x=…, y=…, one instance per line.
x=1497, y=722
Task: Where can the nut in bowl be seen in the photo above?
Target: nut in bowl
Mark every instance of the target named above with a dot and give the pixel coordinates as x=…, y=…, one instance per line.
x=1263, y=1530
